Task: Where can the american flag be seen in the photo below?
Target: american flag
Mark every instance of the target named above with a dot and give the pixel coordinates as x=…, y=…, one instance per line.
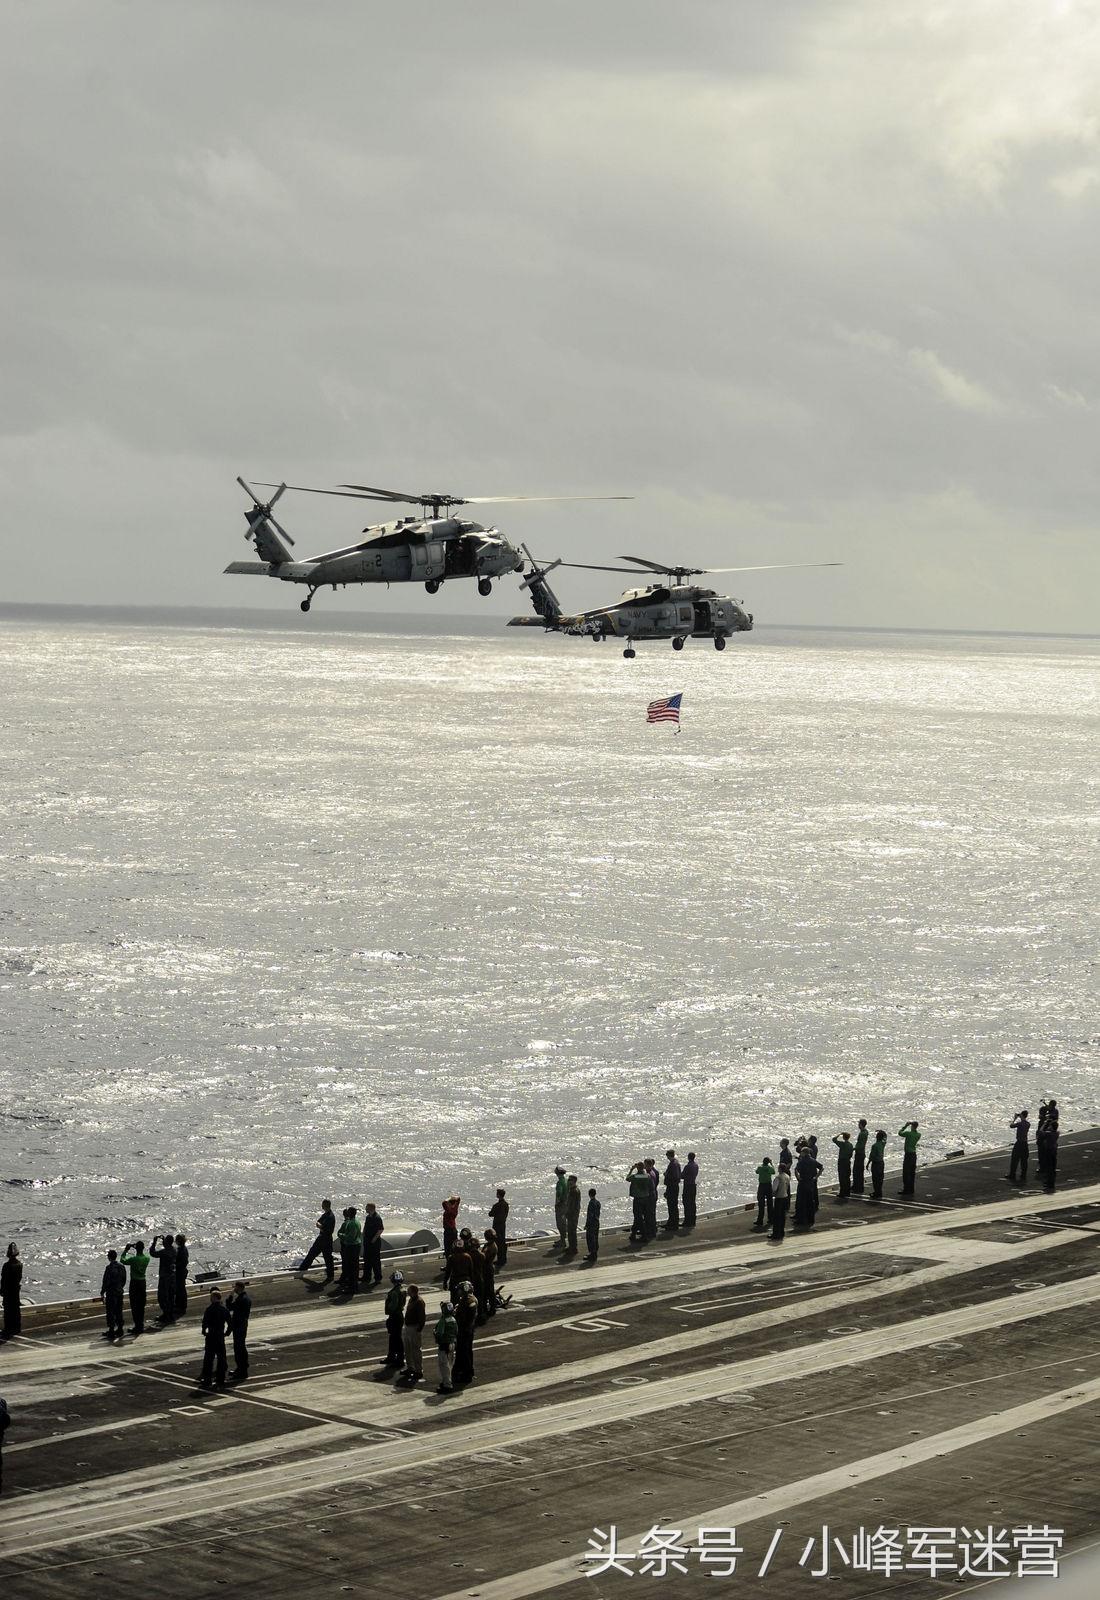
x=665, y=710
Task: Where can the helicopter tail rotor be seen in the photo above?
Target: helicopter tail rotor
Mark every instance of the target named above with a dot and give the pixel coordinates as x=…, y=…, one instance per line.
x=543, y=598
x=272, y=542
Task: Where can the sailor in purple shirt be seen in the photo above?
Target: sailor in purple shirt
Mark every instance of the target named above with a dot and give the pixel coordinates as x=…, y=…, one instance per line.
x=689, y=1177
x=672, y=1190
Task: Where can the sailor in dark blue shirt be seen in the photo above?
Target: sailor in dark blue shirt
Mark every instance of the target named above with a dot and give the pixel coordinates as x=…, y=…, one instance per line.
x=592, y=1226
x=215, y=1322
x=372, y=1246
x=239, y=1307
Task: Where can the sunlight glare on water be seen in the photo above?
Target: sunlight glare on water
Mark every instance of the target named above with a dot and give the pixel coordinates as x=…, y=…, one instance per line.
x=376, y=916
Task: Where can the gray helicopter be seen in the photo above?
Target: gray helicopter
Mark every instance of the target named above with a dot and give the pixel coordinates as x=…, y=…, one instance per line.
x=431, y=549
x=673, y=609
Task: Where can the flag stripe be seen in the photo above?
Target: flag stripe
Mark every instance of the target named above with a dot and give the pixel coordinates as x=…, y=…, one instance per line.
x=667, y=710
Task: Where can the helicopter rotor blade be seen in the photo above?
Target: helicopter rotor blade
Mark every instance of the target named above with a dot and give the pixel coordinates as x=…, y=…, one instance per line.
x=305, y=488
x=370, y=493
x=695, y=572
x=366, y=491
x=502, y=499
x=656, y=566
x=777, y=566
x=280, y=529
x=770, y=566
x=587, y=566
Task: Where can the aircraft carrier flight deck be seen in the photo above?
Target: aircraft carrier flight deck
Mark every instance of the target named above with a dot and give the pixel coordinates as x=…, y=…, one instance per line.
x=905, y=1374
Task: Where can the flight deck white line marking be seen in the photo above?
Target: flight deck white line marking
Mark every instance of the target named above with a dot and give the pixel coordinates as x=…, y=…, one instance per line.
x=772, y=1502
x=746, y=1254
x=125, y=1502
x=83, y=1433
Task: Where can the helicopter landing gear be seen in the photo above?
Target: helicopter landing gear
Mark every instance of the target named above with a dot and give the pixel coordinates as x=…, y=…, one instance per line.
x=307, y=602
x=719, y=641
x=484, y=586
x=432, y=585
x=630, y=652
x=677, y=643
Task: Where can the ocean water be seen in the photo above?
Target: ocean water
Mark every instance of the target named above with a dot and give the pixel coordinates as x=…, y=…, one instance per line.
x=292, y=914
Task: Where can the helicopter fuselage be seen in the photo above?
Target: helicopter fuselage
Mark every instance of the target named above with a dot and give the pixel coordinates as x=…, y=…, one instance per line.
x=664, y=611
x=411, y=552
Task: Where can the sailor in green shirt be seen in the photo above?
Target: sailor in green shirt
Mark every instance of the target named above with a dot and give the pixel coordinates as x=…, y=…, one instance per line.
x=860, y=1156
x=349, y=1234
x=136, y=1258
x=765, y=1172
x=446, y=1344
x=908, y=1133
x=877, y=1160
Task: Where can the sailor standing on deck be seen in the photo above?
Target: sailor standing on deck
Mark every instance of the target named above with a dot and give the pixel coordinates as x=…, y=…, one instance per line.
x=412, y=1329
x=460, y=1265
x=592, y=1226
x=136, y=1258
x=446, y=1343
x=805, y=1202
x=781, y=1202
x=560, y=1187
x=691, y=1182
x=110, y=1292
x=499, y=1216
x=489, y=1257
x=765, y=1177
x=811, y=1145
x=349, y=1235
x=11, y=1277
x=373, y=1228
x=860, y=1156
x=322, y=1244
x=639, y=1197
x=476, y=1272
x=395, y=1319
x=909, y=1133
x=651, y=1208
x=466, y=1319
x=450, y=1226
x=572, y=1214
x=672, y=1176
x=239, y=1307
x=166, y=1275
x=878, y=1163
x=844, y=1151
x=215, y=1321
x=183, y=1261
x=1046, y=1144
x=1017, y=1165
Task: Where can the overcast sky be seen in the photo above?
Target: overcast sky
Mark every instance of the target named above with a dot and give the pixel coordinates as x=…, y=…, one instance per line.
x=813, y=279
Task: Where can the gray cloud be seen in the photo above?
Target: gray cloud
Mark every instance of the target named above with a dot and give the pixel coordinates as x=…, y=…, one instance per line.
x=812, y=280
